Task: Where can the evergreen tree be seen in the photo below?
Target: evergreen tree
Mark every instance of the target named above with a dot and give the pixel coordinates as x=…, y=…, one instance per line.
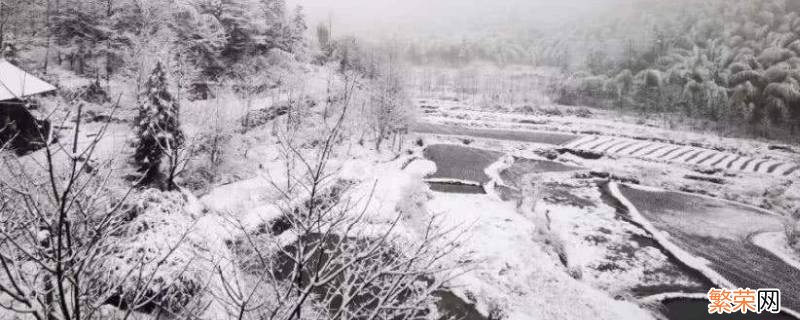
x=157, y=128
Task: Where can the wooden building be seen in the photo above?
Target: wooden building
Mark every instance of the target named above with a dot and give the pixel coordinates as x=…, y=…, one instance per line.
x=20, y=131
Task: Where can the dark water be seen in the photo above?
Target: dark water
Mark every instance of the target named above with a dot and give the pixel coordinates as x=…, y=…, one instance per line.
x=452, y=307
x=697, y=309
x=456, y=188
x=460, y=162
x=469, y=164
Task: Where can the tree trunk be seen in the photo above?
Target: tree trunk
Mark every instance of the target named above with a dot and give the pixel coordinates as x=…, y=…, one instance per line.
x=2, y=38
x=379, y=140
x=248, y=107
x=108, y=49
x=49, y=36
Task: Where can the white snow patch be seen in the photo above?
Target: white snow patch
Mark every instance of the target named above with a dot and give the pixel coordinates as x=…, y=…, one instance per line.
x=390, y=193
x=777, y=244
x=237, y=197
x=421, y=168
x=657, y=298
x=356, y=170
x=494, y=170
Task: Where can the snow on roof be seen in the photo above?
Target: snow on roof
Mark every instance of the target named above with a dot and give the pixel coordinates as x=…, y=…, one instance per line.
x=16, y=83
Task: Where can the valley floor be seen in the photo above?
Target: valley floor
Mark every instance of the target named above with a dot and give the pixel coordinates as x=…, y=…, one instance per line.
x=596, y=242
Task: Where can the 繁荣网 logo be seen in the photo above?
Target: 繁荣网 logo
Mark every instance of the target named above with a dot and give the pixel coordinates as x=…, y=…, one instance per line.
x=725, y=301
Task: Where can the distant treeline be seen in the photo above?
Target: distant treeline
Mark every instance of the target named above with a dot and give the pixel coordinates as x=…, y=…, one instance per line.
x=735, y=63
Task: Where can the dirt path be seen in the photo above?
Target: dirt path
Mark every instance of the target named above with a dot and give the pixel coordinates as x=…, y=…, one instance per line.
x=720, y=232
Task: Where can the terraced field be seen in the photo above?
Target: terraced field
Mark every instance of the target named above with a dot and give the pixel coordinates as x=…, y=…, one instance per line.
x=681, y=154
x=717, y=231
x=720, y=232
x=461, y=163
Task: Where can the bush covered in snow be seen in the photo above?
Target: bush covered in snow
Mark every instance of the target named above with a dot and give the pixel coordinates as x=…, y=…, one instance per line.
x=158, y=260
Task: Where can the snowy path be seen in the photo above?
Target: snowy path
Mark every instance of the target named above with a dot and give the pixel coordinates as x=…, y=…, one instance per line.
x=720, y=232
x=681, y=154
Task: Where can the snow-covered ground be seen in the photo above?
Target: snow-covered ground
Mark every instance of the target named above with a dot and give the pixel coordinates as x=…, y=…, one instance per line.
x=615, y=255
x=584, y=261
x=511, y=271
x=779, y=193
x=593, y=122
x=592, y=235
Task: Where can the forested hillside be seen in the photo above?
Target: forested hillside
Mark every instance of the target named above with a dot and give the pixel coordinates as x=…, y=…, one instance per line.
x=202, y=40
x=155, y=115
x=730, y=62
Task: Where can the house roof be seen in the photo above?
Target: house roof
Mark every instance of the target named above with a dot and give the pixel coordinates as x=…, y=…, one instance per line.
x=16, y=83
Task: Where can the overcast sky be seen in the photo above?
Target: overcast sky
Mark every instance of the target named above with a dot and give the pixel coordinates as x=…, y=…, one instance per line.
x=446, y=17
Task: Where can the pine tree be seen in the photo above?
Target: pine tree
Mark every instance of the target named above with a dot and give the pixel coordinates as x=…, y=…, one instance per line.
x=157, y=127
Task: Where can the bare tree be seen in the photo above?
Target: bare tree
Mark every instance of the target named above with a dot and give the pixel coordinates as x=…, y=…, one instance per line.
x=62, y=218
x=390, y=103
x=251, y=77
x=336, y=265
x=177, y=154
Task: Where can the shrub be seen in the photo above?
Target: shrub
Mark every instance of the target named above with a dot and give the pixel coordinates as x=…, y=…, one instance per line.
x=158, y=260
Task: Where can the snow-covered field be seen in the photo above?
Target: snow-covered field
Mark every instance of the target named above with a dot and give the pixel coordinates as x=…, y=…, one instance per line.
x=609, y=252
x=756, y=186
x=561, y=249
x=511, y=271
